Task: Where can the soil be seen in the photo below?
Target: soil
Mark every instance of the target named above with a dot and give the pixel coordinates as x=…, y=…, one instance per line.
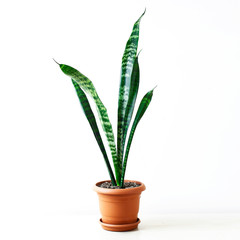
x=126, y=185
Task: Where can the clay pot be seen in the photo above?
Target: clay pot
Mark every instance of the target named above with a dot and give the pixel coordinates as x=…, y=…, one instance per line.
x=119, y=207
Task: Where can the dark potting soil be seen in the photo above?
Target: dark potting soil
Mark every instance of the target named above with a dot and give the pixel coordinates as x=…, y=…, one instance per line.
x=126, y=185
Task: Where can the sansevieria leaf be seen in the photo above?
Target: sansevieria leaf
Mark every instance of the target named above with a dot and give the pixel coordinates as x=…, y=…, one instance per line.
x=89, y=88
x=125, y=83
x=92, y=121
x=132, y=98
x=141, y=110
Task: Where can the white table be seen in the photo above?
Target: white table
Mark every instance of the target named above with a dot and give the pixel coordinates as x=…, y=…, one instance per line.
x=80, y=225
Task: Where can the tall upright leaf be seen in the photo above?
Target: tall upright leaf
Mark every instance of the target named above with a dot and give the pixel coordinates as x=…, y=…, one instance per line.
x=141, y=110
x=92, y=121
x=125, y=83
x=133, y=91
x=89, y=88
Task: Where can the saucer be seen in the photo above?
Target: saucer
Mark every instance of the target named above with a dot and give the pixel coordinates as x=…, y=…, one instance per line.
x=119, y=227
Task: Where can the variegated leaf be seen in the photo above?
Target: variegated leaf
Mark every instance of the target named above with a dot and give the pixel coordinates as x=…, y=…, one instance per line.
x=92, y=121
x=125, y=83
x=89, y=88
x=141, y=110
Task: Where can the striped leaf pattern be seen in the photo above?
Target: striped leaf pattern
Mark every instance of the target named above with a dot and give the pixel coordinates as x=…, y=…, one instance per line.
x=141, y=110
x=92, y=121
x=125, y=83
x=128, y=90
x=89, y=88
x=132, y=98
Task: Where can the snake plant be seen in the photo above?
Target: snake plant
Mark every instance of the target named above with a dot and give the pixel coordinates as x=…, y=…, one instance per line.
x=128, y=90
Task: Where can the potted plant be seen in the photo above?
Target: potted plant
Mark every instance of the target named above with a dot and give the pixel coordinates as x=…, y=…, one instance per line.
x=118, y=198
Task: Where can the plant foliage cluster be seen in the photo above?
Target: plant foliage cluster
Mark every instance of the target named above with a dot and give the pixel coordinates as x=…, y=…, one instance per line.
x=128, y=90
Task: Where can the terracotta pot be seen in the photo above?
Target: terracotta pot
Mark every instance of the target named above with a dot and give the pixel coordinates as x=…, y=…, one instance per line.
x=119, y=207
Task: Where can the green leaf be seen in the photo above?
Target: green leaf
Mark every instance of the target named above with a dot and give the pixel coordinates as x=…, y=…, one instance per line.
x=128, y=59
x=132, y=99
x=92, y=121
x=89, y=88
x=141, y=110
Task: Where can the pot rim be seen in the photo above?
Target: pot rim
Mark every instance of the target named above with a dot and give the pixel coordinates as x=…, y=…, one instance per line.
x=122, y=191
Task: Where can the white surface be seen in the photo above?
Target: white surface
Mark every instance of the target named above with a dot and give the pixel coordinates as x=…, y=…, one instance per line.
x=186, y=148
x=79, y=225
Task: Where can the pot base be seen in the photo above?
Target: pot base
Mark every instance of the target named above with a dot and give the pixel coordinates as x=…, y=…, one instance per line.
x=119, y=227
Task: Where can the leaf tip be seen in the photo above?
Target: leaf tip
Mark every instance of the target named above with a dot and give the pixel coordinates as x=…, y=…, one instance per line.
x=139, y=52
x=154, y=87
x=144, y=12
x=142, y=15
x=152, y=90
x=56, y=62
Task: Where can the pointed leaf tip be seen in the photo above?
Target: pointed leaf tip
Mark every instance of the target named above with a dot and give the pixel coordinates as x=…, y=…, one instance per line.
x=143, y=13
x=154, y=87
x=151, y=91
x=139, y=52
x=56, y=62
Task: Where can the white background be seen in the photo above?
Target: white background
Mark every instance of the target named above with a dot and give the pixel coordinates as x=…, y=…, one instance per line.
x=186, y=147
